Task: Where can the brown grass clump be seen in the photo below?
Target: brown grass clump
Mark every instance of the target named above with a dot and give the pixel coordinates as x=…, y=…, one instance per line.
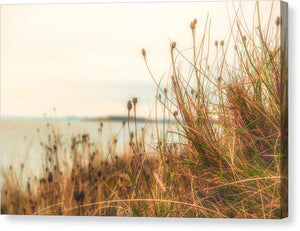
x=222, y=155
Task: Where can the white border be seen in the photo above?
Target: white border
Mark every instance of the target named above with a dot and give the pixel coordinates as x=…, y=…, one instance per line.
x=53, y=223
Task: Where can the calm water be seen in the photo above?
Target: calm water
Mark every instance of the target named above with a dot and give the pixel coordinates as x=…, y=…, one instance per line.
x=21, y=138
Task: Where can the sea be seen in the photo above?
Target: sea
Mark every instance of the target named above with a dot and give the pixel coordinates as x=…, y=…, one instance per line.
x=21, y=139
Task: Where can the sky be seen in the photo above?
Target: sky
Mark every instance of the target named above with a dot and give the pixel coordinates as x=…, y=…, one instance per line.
x=85, y=59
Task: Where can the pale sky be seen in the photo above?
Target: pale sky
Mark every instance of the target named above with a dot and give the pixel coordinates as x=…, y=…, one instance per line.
x=86, y=60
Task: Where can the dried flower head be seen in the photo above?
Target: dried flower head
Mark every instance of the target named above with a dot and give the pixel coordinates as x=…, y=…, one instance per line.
x=99, y=173
x=192, y=25
x=173, y=45
x=278, y=21
x=143, y=52
x=50, y=177
x=129, y=105
x=216, y=43
x=175, y=113
x=135, y=100
x=85, y=138
x=78, y=196
x=222, y=43
x=195, y=21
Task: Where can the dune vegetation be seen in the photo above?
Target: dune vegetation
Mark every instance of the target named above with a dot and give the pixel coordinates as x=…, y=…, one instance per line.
x=220, y=152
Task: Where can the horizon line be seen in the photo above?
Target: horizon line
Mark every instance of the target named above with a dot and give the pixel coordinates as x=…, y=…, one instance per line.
x=91, y=118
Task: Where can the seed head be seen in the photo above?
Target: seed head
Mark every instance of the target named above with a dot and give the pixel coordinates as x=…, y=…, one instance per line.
x=166, y=90
x=78, y=196
x=135, y=100
x=244, y=38
x=173, y=45
x=85, y=138
x=144, y=52
x=28, y=186
x=59, y=211
x=129, y=105
x=192, y=25
x=222, y=43
x=235, y=47
x=278, y=21
x=216, y=43
x=50, y=177
x=175, y=113
x=99, y=173
x=195, y=21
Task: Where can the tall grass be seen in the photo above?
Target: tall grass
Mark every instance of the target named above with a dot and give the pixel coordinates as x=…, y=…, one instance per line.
x=221, y=157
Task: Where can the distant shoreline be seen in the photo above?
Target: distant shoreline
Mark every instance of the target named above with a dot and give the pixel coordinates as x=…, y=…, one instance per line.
x=78, y=118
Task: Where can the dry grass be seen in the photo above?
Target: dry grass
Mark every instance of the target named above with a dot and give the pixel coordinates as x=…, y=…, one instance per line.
x=222, y=157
